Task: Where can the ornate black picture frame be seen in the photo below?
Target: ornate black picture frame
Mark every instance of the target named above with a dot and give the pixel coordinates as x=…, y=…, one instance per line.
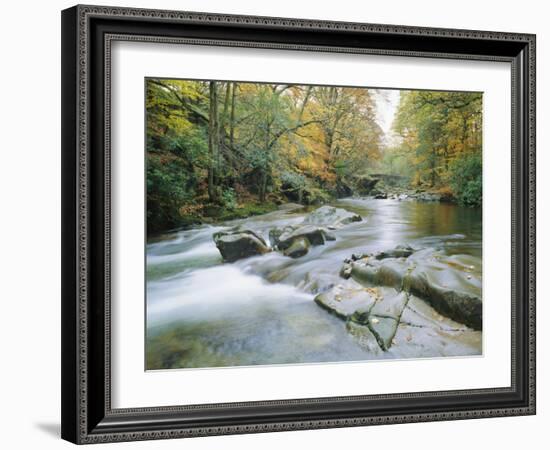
x=87, y=34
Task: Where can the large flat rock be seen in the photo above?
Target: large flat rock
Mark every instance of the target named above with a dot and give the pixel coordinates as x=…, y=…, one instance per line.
x=378, y=310
x=450, y=284
x=345, y=301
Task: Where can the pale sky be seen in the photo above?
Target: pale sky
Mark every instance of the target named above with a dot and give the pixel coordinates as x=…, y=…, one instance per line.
x=387, y=101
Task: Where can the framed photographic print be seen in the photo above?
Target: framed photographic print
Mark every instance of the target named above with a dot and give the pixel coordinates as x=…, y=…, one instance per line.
x=279, y=224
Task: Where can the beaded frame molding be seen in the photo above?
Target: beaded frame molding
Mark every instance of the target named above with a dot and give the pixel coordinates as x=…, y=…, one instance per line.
x=87, y=35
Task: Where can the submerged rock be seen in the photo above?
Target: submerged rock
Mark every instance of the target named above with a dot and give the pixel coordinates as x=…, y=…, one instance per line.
x=237, y=244
x=418, y=342
x=299, y=247
x=331, y=217
x=364, y=337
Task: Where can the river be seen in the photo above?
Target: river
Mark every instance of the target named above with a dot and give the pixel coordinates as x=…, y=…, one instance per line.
x=202, y=312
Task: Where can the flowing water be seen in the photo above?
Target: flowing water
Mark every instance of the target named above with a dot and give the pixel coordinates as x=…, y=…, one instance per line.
x=202, y=312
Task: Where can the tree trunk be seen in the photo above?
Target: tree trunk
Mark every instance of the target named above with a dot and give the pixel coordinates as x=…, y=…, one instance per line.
x=432, y=182
x=213, y=139
x=263, y=185
x=232, y=118
x=222, y=122
x=266, y=166
x=304, y=103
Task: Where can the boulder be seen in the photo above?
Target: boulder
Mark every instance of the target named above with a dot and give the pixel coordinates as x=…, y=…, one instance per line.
x=345, y=271
x=329, y=236
x=450, y=293
x=275, y=234
x=237, y=244
x=315, y=236
x=401, y=251
x=331, y=217
x=299, y=247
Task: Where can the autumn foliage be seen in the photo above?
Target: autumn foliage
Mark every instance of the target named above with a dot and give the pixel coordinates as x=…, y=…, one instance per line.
x=222, y=149
x=439, y=142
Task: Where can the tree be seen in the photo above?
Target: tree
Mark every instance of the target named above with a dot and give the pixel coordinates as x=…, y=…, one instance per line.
x=220, y=149
x=213, y=139
x=438, y=128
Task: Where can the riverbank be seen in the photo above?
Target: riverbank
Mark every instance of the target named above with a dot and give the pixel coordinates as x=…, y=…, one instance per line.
x=212, y=213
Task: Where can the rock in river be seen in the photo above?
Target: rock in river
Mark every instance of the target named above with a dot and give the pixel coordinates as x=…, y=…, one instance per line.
x=315, y=236
x=378, y=309
x=401, y=251
x=295, y=240
x=237, y=244
x=344, y=302
x=451, y=285
x=299, y=247
x=275, y=234
x=331, y=217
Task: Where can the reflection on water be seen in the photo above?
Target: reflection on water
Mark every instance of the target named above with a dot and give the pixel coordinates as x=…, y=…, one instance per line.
x=203, y=313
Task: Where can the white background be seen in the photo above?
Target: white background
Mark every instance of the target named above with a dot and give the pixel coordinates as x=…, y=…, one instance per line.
x=132, y=387
x=30, y=188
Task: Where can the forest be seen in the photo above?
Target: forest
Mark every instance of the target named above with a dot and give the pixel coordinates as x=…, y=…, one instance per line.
x=218, y=150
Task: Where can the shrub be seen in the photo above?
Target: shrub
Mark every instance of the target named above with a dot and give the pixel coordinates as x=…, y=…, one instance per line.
x=466, y=180
x=228, y=198
x=169, y=189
